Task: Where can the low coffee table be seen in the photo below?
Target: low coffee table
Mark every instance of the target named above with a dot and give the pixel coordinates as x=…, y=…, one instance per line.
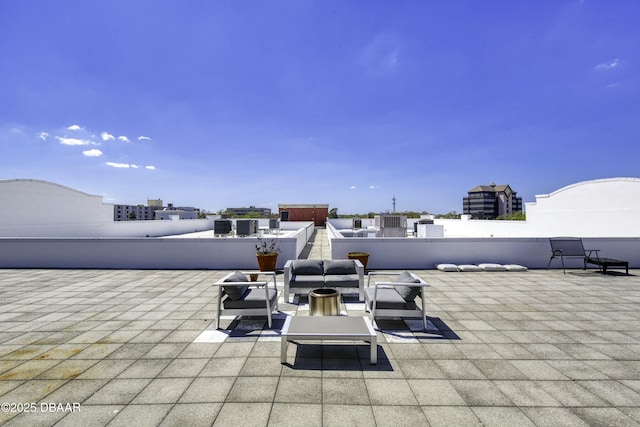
x=328, y=328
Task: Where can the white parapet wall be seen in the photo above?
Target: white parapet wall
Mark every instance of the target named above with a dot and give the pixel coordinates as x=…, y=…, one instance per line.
x=146, y=253
x=416, y=253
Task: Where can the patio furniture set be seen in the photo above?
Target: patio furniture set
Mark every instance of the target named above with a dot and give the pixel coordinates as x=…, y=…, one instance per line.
x=327, y=279
x=239, y=296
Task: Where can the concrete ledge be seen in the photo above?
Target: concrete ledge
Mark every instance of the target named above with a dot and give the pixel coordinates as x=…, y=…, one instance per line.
x=411, y=253
x=140, y=253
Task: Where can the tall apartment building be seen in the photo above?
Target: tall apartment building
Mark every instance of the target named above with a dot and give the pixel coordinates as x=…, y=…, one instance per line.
x=491, y=201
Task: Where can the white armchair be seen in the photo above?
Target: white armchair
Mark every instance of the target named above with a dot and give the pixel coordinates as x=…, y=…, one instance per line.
x=241, y=297
x=396, y=299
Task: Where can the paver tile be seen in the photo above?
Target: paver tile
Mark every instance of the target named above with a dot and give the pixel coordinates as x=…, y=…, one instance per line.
x=536, y=348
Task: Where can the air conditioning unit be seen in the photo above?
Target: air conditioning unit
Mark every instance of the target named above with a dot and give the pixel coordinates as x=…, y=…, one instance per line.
x=393, y=226
x=246, y=227
x=221, y=227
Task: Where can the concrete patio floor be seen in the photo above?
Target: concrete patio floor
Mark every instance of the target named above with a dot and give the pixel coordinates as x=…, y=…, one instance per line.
x=138, y=347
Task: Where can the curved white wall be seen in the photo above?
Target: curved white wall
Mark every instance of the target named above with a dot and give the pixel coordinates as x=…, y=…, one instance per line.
x=38, y=203
x=33, y=208
x=598, y=208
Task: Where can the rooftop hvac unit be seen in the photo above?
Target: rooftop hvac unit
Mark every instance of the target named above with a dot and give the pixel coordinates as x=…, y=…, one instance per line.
x=221, y=227
x=357, y=223
x=422, y=221
x=246, y=227
x=274, y=224
x=393, y=226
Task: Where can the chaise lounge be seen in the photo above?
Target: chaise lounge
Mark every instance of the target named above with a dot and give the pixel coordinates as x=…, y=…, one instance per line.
x=304, y=275
x=572, y=247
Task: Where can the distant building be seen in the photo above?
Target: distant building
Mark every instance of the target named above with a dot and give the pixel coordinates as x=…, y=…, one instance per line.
x=181, y=212
x=491, y=201
x=153, y=211
x=307, y=212
x=265, y=212
x=136, y=212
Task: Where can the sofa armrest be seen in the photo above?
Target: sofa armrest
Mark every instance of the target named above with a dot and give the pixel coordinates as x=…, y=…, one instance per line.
x=287, y=279
x=262, y=273
x=380, y=273
x=360, y=269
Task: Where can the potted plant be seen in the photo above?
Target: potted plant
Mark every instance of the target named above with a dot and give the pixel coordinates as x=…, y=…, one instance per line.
x=363, y=257
x=267, y=254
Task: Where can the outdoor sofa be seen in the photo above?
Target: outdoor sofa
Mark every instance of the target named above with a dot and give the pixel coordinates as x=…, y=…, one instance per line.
x=304, y=275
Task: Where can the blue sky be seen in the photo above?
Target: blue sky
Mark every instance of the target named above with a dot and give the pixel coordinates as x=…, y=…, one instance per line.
x=219, y=104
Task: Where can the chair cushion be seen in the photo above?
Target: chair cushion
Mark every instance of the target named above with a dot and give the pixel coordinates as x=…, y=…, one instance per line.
x=408, y=293
x=469, y=267
x=342, y=281
x=236, y=292
x=447, y=267
x=343, y=266
x=492, y=267
x=254, y=298
x=388, y=299
x=307, y=281
x=307, y=266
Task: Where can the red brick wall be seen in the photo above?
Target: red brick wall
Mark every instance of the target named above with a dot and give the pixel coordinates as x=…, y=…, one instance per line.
x=318, y=215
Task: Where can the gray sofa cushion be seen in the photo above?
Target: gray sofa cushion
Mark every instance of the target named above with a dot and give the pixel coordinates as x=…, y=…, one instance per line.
x=307, y=281
x=409, y=293
x=236, y=292
x=341, y=281
x=389, y=299
x=343, y=266
x=252, y=299
x=307, y=266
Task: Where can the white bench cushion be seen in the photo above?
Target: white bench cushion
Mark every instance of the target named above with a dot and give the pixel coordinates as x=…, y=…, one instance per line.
x=515, y=267
x=469, y=267
x=492, y=267
x=447, y=267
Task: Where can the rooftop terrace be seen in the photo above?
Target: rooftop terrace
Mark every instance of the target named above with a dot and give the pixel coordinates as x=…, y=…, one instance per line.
x=138, y=347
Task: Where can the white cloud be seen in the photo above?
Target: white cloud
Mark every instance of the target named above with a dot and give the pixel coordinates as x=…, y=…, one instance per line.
x=353, y=187
x=43, y=136
x=127, y=166
x=615, y=63
x=72, y=141
x=123, y=139
x=118, y=165
x=145, y=138
x=372, y=187
x=107, y=136
x=92, y=153
x=74, y=127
